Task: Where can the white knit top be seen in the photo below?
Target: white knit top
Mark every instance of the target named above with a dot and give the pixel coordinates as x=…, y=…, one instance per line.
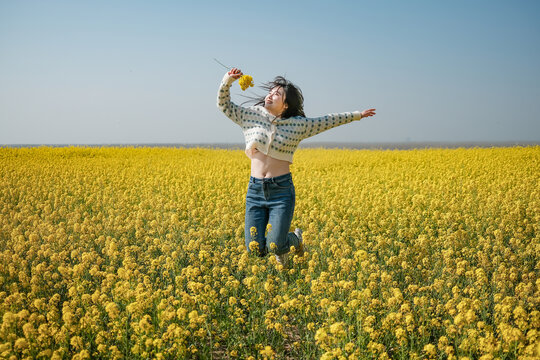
x=274, y=136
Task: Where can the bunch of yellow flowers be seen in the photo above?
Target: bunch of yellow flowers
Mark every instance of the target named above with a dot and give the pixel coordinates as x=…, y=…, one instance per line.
x=245, y=82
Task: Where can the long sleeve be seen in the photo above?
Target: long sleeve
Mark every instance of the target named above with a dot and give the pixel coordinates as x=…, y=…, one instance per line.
x=231, y=110
x=317, y=125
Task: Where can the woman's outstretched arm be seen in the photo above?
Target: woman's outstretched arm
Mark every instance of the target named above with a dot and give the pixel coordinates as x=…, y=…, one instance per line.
x=317, y=125
x=224, y=103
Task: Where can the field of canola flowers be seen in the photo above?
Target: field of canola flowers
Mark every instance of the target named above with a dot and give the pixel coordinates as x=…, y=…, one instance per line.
x=138, y=253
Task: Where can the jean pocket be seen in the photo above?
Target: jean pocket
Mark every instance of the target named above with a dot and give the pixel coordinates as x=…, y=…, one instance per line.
x=283, y=184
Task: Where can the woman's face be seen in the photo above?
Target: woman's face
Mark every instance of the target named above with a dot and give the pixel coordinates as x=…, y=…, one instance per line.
x=274, y=102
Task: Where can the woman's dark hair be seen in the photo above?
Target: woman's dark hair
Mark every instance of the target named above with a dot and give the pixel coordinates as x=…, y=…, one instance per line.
x=293, y=97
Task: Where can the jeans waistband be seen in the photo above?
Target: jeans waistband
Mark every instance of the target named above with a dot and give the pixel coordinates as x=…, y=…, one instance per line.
x=271, y=179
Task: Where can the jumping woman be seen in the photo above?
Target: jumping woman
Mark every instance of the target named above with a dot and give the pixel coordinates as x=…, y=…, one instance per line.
x=273, y=128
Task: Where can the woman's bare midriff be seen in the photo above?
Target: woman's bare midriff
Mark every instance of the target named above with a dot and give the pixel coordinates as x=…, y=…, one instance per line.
x=264, y=166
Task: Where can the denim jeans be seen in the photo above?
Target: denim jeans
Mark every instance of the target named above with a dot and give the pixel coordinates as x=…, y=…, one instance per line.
x=270, y=201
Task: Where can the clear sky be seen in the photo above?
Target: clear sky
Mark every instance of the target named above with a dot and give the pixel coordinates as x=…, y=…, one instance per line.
x=99, y=72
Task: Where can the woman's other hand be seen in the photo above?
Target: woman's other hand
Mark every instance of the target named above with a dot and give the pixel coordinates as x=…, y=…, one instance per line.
x=235, y=73
x=368, y=113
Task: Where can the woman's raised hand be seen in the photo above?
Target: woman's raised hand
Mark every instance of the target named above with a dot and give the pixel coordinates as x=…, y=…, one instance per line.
x=368, y=113
x=235, y=73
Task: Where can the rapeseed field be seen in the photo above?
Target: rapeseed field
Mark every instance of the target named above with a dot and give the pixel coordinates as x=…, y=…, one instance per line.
x=138, y=253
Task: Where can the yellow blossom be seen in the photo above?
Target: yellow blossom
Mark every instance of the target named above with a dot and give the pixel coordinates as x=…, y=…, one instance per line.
x=430, y=350
x=112, y=310
x=245, y=82
x=267, y=352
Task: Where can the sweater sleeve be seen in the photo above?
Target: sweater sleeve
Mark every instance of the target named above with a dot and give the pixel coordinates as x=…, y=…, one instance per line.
x=317, y=125
x=224, y=103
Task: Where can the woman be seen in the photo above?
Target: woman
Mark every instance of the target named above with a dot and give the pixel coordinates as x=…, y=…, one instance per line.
x=273, y=128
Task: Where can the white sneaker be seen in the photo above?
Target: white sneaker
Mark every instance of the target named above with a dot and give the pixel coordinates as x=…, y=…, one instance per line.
x=283, y=259
x=300, y=250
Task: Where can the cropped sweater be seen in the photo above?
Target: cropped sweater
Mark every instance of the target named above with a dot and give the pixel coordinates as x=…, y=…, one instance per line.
x=271, y=135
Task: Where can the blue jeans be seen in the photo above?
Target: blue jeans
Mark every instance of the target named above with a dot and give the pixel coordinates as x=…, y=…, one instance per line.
x=270, y=201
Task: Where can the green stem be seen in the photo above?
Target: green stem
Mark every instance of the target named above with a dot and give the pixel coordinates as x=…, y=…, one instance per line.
x=226, y=67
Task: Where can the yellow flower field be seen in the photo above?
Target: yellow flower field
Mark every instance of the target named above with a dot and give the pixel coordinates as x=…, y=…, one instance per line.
x=138, y=253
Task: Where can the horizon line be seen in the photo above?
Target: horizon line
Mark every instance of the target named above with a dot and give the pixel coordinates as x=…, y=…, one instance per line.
x=318, y=144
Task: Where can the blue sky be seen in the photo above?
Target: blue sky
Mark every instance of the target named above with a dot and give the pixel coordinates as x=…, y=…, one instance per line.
x=98, y=72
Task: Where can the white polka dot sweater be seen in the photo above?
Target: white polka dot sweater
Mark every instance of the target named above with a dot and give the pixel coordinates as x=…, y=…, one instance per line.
x=275, y=137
